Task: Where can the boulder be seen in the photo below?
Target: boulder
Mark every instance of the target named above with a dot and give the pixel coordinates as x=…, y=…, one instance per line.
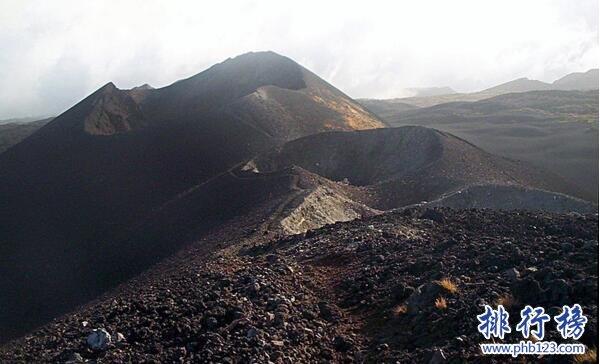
x=424, y=296
x=98, y=340
x=511, y=274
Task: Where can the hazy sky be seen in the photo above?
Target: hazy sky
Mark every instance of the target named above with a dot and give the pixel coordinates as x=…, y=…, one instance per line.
x=54, y=53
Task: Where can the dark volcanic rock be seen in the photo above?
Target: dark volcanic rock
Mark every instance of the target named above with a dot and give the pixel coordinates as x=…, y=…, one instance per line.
x=337, y=304
x=424, y=296
x=528, y=290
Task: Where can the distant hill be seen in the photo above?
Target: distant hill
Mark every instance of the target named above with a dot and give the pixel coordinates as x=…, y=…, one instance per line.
x=581, y=81
x=518, y=85
x=573, y=81
x=555, y=130
x=430, y=91
x=13, y=132
x=24, y=120
x=578, y=81
x=566, y=106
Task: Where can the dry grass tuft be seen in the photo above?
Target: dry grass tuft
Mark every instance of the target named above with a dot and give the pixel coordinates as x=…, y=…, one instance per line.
x=440, y=303
x=448, y=285
x=590, y=356
x=400, y=310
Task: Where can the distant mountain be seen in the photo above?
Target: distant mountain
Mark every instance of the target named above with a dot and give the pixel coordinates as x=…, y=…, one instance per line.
x=430, y=91
x=555, y=130
x=581, y=81
x=12, y=133
x=564, y=106
x=573, y=81
x=578, y=81
x=24, y=120
x=78, y=185
x=518, y=85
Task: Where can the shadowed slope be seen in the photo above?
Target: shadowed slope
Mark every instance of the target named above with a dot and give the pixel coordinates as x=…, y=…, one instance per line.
x=71, y=191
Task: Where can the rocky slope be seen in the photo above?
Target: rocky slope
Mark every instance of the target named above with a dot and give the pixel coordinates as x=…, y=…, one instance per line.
x=351, y=292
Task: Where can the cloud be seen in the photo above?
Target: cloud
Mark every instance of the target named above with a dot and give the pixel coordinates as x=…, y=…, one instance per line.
x=55, y=53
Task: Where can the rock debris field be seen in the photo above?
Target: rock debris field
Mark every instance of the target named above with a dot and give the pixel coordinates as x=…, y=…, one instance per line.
x=402, y=287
